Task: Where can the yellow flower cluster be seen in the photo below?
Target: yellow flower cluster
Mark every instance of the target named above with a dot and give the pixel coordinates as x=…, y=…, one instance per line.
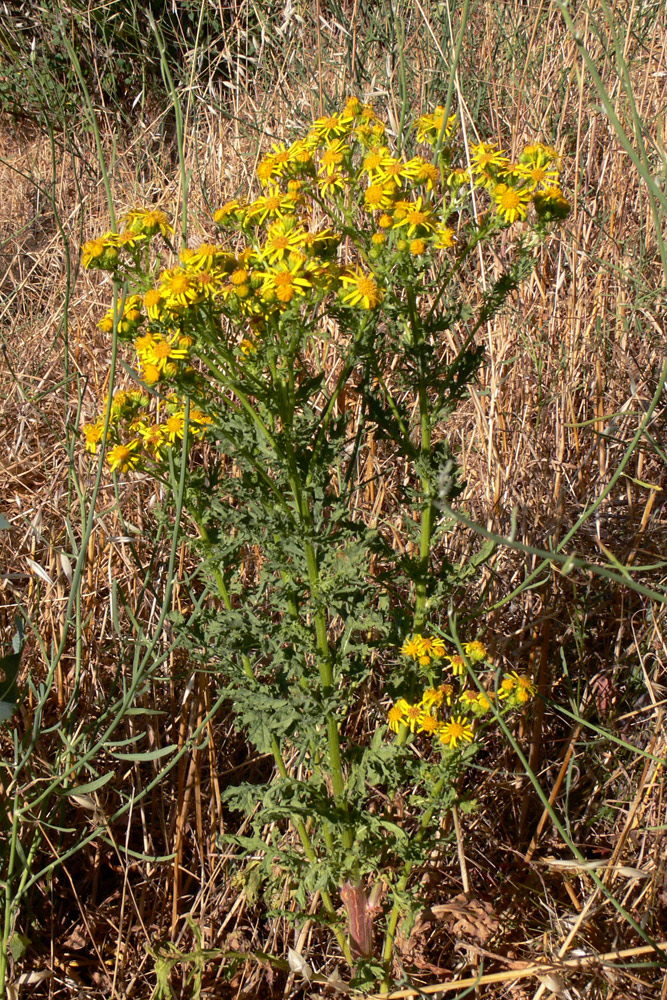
x=140, y=224
x=447, y=711
x=340, y=221
x=140, y=429
x=424, y=649
x=430, y=715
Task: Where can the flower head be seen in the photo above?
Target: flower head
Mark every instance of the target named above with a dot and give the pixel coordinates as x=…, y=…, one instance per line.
x=511, y=203
x=147, y=222
x=457, y=730
x=123, y=456
x=362, y=289
x=93, y=434
x=475, y=651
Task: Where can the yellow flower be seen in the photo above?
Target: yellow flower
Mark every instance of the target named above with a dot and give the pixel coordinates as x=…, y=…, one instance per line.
x=433, y=697
x=154, y=437
x=412, y=714
x=283, y=237
x=178, y=288
x=123, y=456
x=459, y=177
x=129, y=239
x=427, y=724
x=274, y=202
x=413, y=646
x=457, y=730
x=429, y=127
x=551, y=204
x=175, y=425
x=154, y=303
x=231, y=211
x=417, y=247
x=457, y=664
x=206, y=257
x=150, y=373
x=537, y=154
x=484, y=701
x=332, y=126
x=330, y=184
x=507, y=686
x=444, y=237
x=475, y=651
x=332, y=156
x=285, y=281
x=417, y=215
x=487, y=155
x=163, y=352
x=511, y=203
x=93, y=434
x=199, y=421
x=147, y=222
x=377, y=196
x=427, y=173
x=363, y=290
x=447, y=692
x=525, y=689
x=101, y=253
x=398, y=171
x=374, y=160
x=91, y=252
x=536, y=175
x=437, y=647
x=395, y=717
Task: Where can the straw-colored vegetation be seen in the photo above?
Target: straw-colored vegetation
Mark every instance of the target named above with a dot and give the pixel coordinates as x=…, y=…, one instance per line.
x=117, y=877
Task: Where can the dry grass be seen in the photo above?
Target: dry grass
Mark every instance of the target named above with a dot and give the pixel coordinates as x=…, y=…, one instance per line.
x=570, y=370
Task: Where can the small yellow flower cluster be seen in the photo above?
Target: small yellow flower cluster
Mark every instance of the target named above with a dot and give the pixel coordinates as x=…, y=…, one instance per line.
x=423, y=649
x=430, y=716
x=140, y=429
x=342, y=169
x=444, y=711
x=431, y=127
x=516, y=689
x=104, y=253
x=513, y=186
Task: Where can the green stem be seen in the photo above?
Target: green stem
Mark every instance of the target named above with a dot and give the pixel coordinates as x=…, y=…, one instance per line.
x=427, y=509
x=299, y=825
x=417, y=331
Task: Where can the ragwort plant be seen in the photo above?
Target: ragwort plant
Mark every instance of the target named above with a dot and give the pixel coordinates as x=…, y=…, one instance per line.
x=276, y=356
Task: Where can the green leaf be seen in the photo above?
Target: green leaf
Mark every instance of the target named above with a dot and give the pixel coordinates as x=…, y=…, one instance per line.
x=4, y=523
x=90, y=786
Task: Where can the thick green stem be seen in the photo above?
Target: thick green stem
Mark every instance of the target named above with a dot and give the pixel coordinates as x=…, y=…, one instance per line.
x=309, y=851
x=325, y=669
x=299, y=825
